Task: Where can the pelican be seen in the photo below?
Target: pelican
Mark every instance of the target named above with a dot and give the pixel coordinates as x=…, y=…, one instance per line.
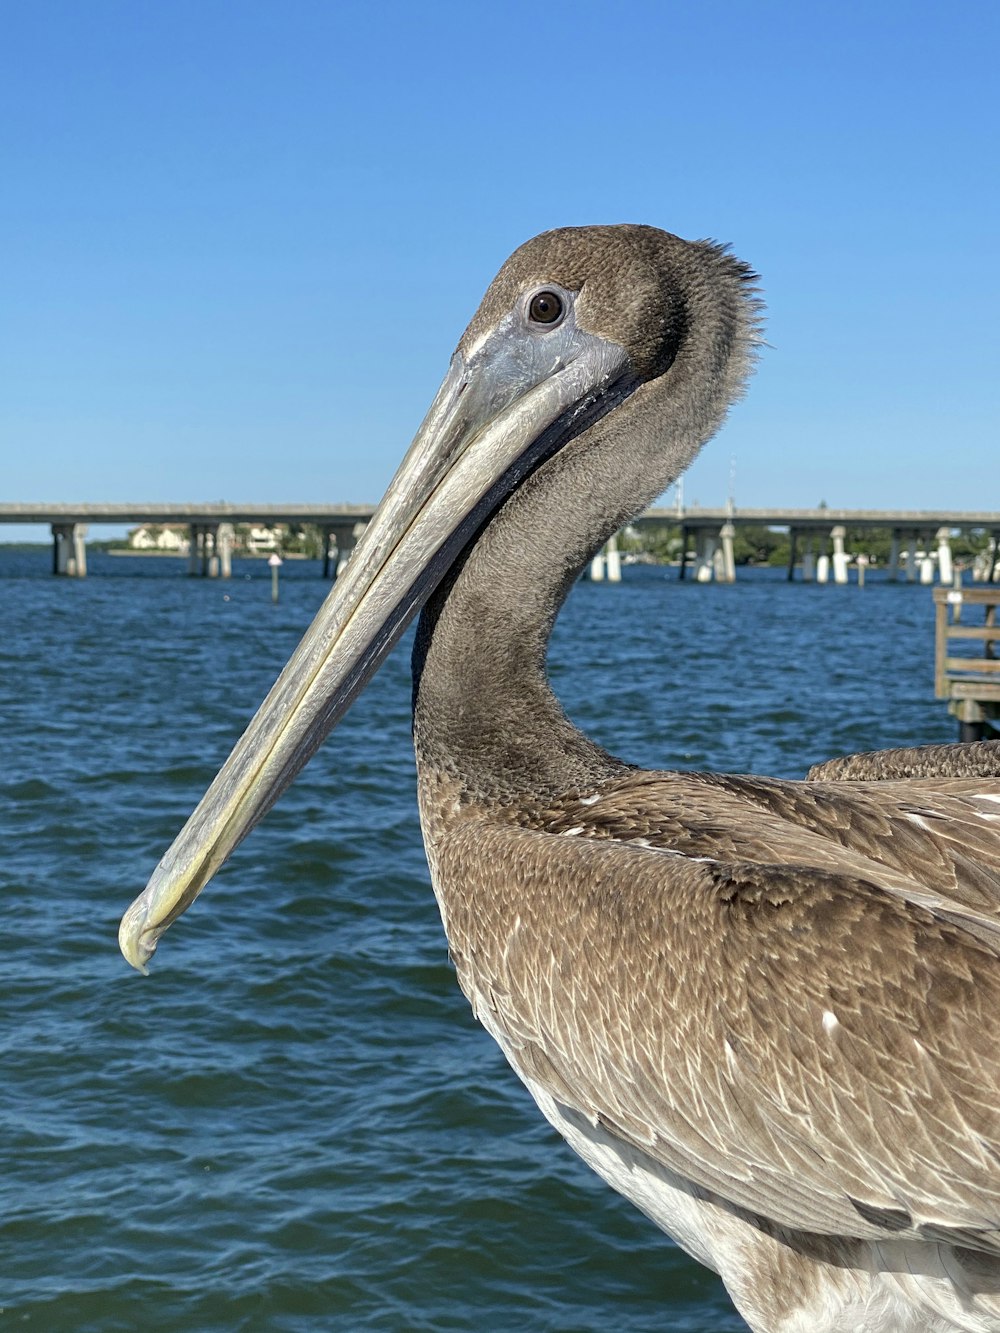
x=764, y=1011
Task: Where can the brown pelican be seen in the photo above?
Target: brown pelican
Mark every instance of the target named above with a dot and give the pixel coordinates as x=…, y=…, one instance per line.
x=765, y=1011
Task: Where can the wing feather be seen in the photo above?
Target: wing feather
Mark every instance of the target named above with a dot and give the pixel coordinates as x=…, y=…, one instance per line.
x=795, y=1009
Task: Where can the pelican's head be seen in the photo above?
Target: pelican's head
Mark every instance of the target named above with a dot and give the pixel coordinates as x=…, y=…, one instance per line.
x=576, y=322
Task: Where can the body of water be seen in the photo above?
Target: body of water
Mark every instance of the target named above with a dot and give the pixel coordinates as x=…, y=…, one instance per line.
x=294, y=1125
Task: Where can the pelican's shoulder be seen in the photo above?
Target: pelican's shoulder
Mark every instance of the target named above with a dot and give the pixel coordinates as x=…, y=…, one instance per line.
x=932, y=840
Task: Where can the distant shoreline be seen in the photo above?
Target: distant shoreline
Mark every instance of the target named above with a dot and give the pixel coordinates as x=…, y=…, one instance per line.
x=170, y=555
x=237, y=555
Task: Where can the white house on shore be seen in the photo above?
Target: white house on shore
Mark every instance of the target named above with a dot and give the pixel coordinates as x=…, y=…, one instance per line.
x=262, y=539
x=175, y=538
x=171, y=537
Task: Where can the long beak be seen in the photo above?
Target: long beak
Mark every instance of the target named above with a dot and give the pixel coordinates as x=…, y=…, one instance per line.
x=491, y=422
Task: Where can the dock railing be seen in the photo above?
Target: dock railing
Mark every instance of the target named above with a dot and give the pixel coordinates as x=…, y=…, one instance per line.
x=968, y=679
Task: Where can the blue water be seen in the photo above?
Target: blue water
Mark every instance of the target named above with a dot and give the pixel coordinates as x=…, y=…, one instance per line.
x=294, y=1124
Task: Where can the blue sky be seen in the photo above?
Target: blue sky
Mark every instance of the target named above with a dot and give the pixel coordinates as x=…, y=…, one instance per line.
x=240, y=240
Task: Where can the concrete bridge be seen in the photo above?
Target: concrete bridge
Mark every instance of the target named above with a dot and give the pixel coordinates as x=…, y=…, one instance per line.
x=817, y=537
x=210, y=526
x=818, y=533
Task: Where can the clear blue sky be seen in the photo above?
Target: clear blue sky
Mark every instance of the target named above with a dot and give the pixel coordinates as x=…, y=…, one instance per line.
x=239, y=240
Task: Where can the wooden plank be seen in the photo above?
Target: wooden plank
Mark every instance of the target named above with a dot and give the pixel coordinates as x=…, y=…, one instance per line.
x=940, y=644
x=963, y=666
x=983, y=690
x=985, y=632
x=971, y=596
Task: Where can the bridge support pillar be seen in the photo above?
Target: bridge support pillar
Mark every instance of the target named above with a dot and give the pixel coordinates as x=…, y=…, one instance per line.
x=225, y=536
x=911, y=558
x=202, y=558
x=985, y=567
x=726, y=565
x=343, y=538
x=837, y=535
x=793, y=546
x=808, y=562
x=945, y=563
x=69, y=549
x=346, y=539
x=894, y=555
x=823, y=568
x=706, y=558
x=612, y=560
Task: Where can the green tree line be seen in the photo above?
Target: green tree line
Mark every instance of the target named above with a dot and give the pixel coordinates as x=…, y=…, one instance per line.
x=756, y=544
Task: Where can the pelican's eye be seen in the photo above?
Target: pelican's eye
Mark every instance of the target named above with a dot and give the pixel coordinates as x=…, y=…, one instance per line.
x=546, y=307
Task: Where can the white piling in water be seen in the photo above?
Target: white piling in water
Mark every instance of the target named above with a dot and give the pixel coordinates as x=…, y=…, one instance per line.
x=224, y=538
x=808, y=562
x=927, y=569
x=911, y=559
x=613, y=560
x=944, y=555
x=838, y=534
x=597, y=568
x=69, y=547
x=726, y=570
x=706, y=558
x=823, y=569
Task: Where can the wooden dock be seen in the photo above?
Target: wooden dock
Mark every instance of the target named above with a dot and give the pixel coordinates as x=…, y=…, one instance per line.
x=966, y=661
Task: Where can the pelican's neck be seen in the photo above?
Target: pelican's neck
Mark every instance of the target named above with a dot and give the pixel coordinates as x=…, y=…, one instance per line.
x=483, y=711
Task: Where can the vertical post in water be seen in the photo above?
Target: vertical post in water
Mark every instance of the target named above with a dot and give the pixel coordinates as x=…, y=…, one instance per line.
x=210, y=568
x=706, y=558
x=275, y=562
x=56, y=548
x=69, y=549
x=727, y=535
x=793, y=536
x=614, y=560
x=224, y=537
x=945, y=562
x=838, y=535
x=346, y=542
x=79, y=557
x=911, y=558
x=894, y=555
